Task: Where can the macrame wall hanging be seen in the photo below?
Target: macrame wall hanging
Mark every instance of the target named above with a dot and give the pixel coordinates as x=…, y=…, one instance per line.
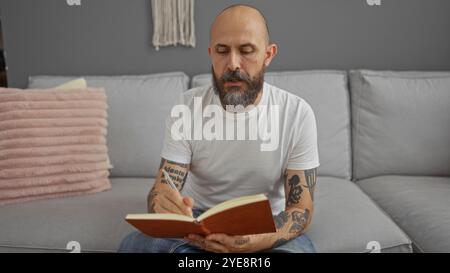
x=173, y=23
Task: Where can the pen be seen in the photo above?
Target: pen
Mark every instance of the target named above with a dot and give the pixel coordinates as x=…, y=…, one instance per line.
x=169, y=180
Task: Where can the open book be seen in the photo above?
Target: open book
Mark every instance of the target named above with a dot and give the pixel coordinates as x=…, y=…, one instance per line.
x=239, y=216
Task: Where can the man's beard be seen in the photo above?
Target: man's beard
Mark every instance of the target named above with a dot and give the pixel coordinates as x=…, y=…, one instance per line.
x=234, y=96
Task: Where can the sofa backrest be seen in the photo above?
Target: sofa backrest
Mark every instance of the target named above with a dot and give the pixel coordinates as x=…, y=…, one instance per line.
x=327, y=93
x=400, y=120
x=137, y=108
x=401, y=123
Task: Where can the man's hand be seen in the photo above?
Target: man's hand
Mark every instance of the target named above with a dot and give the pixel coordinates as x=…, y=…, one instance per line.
x=167, y=200
x=222, y=243
x=290, y=223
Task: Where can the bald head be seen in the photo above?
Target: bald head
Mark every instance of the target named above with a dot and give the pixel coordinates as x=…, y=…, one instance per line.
x=240, y=51
x=239, y=16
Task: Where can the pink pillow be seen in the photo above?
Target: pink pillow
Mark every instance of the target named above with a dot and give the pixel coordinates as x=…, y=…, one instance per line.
x=52, y=143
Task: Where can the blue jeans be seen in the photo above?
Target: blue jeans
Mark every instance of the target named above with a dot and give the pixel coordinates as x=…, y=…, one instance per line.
x=137, y=242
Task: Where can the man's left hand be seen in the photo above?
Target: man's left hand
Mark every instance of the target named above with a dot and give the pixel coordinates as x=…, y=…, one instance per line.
x=222, y=243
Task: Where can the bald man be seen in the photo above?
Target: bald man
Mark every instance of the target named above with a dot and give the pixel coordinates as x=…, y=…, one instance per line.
x=217, y=167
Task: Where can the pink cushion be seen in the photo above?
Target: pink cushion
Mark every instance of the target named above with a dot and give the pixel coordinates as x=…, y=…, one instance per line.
x=52, y=143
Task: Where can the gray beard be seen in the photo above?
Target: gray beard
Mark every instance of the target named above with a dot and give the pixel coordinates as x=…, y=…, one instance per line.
x=234, y=97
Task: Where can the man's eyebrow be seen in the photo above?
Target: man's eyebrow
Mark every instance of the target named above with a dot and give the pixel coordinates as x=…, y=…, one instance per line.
x=248, y=44
x=240, y=46
x=221, y=45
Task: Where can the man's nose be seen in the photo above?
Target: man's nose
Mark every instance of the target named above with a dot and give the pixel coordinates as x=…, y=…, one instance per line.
x=234, y=62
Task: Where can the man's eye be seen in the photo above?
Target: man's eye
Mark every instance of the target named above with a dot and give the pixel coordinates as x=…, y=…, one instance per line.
x=222, y=51
x=247, y=51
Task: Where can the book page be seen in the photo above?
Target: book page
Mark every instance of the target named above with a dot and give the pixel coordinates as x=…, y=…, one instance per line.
x=160, y=216
x=236, y=202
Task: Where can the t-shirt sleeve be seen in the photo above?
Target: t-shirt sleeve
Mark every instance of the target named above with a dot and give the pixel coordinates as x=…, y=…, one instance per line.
x=176, y=145
x=305, y=154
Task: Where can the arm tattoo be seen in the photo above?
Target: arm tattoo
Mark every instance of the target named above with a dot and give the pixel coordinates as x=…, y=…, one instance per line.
x=279, y=242
x=150, y=199
x=295, y=191
x=293, y=222
x=178, y=176
x=281, y=219
x=299, y=221
x=242, y=241
x=311, y=180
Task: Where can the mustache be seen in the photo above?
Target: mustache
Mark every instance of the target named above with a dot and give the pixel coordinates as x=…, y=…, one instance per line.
x=235, y=76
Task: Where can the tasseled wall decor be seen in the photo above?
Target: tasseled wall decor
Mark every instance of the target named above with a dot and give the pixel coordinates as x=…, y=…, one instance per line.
x=173, y=23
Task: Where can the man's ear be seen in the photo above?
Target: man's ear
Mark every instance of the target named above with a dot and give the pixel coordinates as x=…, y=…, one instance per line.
x=209, y=51
x=271, y=52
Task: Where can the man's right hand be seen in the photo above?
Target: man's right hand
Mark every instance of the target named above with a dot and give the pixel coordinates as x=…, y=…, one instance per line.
x=167, y=200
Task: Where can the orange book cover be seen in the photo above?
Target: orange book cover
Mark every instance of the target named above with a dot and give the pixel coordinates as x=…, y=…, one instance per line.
x=239, y=216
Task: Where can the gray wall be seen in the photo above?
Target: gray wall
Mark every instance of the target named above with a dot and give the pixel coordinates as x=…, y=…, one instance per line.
x=113, y=37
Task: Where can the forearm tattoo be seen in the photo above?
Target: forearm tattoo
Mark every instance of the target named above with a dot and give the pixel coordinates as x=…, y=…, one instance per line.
x=299, y=221
x=294, y=220
x=242, y=241
x=279, y=242
x=281, y=219
x=150, y=200
x=177, y=176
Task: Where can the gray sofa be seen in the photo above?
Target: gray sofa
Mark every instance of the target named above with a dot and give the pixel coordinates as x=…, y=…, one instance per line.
x=384, y=146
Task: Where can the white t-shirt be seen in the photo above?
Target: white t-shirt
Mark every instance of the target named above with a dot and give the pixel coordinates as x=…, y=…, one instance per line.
x=247, y=153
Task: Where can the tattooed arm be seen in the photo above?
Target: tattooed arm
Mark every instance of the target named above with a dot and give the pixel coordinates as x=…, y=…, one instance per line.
x=295, y=219
x=290, y=223
x=163, y=198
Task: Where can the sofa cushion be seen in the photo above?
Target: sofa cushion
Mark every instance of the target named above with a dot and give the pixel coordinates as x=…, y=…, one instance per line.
x=73, y=84
x=52, y=143
x=77, y=84
x=420, y=205
x=95, y=221
x=326, y=92
x=138, y=106
x=401, y=123
x=344, y=220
